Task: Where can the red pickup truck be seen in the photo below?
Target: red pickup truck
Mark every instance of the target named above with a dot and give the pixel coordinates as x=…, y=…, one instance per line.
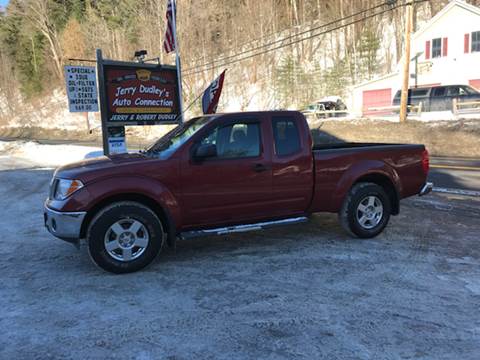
x=227, y=173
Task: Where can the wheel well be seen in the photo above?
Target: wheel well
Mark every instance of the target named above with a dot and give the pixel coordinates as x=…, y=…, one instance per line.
x=142, y=199
x=387, y=185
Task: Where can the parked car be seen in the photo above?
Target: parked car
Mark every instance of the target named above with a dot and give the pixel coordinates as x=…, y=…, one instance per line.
x=227, y=173
x=438, y=98
x=321, y=108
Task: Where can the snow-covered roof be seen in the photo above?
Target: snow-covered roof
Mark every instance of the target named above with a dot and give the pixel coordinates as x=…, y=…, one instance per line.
x=332, y=98
x=461, y=3
x=376, y=79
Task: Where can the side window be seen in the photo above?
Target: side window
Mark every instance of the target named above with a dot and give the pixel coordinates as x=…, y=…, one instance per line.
x=436, y=48
x=287, y=139
x=438, y=92
x=476, y=41
x=211, y=139
x=453, y=91
x=462, y=91
x=235, y=141
x=419, y=92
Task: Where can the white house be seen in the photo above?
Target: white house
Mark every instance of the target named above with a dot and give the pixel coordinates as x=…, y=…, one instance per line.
x=449, y=54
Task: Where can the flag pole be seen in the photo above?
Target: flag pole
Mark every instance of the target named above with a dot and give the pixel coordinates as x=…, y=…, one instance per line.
x=177, y=59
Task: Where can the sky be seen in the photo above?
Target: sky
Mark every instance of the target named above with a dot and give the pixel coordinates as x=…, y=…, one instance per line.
x=3, y=3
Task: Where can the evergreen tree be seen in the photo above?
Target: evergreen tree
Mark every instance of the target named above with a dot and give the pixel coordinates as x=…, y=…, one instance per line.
x=368, y=50
x=336, y=79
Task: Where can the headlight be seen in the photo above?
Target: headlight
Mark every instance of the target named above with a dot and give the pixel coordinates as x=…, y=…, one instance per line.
x=65, y=188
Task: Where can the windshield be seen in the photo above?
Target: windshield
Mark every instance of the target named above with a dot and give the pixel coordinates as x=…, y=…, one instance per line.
x=469, y=90
x=168, y=144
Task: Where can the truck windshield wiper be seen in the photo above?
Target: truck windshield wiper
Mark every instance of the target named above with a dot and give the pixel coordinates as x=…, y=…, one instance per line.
x=160, y=147
x=163, y=140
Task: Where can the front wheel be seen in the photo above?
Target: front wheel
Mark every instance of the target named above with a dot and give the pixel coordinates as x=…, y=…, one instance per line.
x=365, y=211
x=125, y=237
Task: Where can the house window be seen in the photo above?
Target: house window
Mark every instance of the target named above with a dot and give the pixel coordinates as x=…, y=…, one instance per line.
x=436, y=48
x=476, y=41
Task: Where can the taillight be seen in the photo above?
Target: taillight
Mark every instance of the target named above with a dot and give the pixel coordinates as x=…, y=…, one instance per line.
x=425, y=161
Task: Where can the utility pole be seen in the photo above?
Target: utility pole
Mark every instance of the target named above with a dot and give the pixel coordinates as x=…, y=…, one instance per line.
x=406, y=65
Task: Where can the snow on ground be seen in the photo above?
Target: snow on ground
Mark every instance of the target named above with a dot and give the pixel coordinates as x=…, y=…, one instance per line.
x=42, y=155
x=49, y=113
x=303, y=292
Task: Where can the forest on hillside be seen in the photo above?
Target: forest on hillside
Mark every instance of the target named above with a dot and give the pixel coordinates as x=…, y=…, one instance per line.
x=299, y=51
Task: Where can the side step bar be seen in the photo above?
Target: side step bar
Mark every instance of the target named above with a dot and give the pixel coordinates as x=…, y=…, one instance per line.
x=426, y=189
x=243, y=228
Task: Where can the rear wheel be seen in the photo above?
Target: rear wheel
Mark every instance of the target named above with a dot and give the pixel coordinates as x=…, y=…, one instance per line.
x=125, y=237
x=365, y=211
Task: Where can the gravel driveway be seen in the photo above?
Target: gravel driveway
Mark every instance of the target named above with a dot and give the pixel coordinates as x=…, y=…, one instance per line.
x=306, y=291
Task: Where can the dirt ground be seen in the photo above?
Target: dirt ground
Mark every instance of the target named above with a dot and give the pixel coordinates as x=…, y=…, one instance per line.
x=307, y=291
x=442, y=138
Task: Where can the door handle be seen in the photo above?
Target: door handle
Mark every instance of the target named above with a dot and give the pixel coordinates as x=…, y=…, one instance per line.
x=259, y=168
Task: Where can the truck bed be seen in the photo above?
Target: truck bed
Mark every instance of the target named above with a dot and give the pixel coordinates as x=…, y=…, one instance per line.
x=352, y=145
x=339, y=165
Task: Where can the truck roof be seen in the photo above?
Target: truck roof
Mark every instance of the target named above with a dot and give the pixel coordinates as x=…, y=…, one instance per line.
x=260, y=112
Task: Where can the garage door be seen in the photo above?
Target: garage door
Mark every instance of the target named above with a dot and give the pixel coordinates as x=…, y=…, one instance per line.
x=376, y=99
x=475, y=84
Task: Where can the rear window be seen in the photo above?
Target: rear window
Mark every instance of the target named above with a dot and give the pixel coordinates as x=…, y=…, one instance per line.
x=287, y=139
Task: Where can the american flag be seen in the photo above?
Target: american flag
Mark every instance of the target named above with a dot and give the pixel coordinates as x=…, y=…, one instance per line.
x=169, y=41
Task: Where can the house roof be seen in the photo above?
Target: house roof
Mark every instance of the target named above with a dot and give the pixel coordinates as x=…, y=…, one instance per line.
x=461, y=3
x=376, y=79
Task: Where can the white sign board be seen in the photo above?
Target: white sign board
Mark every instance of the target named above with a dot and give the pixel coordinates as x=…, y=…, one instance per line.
x=81, y=84
x=116, y=140
x=117, y=145
x=425, y=67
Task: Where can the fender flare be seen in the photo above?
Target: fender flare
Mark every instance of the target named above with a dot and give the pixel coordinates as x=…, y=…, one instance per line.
x=145, y=190
x=358, y=171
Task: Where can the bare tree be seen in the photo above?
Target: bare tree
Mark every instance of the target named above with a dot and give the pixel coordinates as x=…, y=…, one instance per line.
x=39, y=14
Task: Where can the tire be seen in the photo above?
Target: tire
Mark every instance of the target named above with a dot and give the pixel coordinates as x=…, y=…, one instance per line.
x=360, y=214
x=125, y=237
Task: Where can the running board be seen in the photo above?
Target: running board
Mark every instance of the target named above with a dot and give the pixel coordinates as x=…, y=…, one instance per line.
x=243, y=228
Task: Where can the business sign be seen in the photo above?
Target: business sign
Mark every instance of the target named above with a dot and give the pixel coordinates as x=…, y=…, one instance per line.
x=141, y=94
x=81, y=84
x=424, y=67
x=116, y=140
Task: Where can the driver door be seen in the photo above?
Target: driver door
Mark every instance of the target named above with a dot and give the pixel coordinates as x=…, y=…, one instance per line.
x=233, y=186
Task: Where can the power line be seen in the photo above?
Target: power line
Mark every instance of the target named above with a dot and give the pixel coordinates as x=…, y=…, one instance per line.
x=284, y=45
x=290, y=36
x=219, y=64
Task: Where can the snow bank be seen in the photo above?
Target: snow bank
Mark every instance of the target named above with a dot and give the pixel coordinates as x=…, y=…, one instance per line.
x=47, y=155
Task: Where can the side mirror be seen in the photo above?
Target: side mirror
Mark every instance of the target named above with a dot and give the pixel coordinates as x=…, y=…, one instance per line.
x=205, y=151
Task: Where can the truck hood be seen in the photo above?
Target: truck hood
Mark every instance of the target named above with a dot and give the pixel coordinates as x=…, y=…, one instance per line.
x=87, y=169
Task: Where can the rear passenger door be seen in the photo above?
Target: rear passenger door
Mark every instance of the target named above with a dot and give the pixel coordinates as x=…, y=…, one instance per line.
x=292, y=165
x=438, y=99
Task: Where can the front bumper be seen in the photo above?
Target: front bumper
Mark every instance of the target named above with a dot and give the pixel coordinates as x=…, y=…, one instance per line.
x=426, y=189
x=64, y=225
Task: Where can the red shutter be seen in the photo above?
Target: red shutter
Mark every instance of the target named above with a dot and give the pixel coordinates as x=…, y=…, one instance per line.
x=466, y=43
x=475, y=83
x=427, y=50
x=445, y=47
